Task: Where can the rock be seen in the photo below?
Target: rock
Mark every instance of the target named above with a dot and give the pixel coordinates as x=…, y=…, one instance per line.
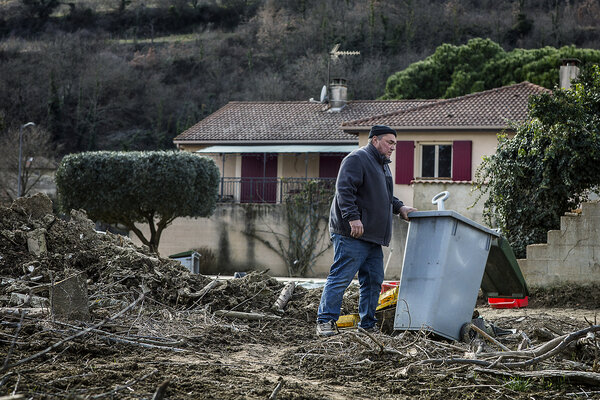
x=36, y=206
x=69, y=298
x=80, y=217
x=36, y=242
x=24, y=300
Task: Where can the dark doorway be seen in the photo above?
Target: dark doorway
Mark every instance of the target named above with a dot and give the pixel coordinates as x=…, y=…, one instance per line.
x=329, y=164
x=259, y=178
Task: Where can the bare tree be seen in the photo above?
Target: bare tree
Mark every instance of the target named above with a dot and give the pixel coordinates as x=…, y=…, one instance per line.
x=37, y=160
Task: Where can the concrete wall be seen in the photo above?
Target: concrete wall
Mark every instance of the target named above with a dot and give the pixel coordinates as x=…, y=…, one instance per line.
x=225, y=234
x=571, y=254
x=461, y=199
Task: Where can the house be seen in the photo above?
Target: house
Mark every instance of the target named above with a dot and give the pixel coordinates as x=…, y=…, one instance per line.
x=441, y=144
x=267, y=149
x=263, y=147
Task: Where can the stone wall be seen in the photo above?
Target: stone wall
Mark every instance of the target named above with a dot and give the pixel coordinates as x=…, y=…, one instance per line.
x=571, y=254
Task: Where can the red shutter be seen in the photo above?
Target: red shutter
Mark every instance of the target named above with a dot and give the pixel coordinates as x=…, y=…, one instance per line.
x=405, y=161
x=461, y=160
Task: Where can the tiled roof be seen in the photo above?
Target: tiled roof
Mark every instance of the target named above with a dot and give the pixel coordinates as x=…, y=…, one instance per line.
x=490, y=109
x=289, y=121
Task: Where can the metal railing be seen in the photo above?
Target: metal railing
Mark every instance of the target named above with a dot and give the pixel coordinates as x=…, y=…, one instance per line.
x=267, y=190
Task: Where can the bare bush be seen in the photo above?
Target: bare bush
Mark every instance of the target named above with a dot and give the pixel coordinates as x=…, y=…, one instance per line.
x=37, y=161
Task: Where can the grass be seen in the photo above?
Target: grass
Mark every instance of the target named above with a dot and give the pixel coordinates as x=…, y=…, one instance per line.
x=518, y=384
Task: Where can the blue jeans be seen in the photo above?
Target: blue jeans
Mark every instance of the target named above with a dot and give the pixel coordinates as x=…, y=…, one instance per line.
x=352, y=256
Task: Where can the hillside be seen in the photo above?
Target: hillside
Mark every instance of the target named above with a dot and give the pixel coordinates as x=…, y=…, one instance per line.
x=132, y=74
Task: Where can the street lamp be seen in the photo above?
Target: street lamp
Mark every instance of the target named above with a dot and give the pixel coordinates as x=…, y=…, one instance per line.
x=20, y=151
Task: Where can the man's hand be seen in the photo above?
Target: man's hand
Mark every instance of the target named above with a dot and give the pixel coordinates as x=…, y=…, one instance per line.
x=357, y=229
x=404, y=210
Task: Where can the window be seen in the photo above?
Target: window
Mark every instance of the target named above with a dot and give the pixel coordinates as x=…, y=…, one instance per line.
x=436, y=160
x=433, y=160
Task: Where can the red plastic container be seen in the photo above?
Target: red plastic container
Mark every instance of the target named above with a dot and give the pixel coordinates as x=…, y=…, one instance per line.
x=497, y=302
x=385, y=286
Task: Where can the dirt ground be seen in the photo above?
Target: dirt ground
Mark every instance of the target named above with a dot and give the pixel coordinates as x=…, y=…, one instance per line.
x=154, y=333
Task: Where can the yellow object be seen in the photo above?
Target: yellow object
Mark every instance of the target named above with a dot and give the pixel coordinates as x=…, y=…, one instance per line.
x=388, y=298
x=348, y=321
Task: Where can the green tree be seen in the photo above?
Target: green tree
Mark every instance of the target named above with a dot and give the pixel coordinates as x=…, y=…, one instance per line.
x=548, y=167
x=480, y=64
x=145, y=187
x=435, y=76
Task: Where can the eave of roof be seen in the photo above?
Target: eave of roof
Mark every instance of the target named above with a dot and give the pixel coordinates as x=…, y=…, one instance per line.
x=355, y=130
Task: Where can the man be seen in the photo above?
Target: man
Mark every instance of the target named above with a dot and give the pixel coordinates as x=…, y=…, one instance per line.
x=360, y=222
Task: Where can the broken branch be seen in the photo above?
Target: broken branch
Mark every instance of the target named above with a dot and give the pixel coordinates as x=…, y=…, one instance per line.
x=284, y=297
x=244, y=315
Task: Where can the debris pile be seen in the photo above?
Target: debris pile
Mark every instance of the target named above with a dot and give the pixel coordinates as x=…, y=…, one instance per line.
x=154, y=330
x=39, y=249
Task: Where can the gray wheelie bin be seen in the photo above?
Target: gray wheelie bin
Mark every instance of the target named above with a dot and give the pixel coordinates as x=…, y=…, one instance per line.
x=444, y=263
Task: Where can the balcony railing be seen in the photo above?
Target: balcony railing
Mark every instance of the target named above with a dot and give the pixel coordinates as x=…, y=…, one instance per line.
x=268, y=190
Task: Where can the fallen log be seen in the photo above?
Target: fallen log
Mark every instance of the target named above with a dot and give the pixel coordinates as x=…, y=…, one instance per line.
x=550, y=349
x=161, y=390
x=273, y=395
x=198, y=296
x=244, y=315
x=488, y=337
x=208, y=288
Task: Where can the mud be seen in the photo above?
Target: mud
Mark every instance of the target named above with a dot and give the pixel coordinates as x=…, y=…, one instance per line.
x=172, y=339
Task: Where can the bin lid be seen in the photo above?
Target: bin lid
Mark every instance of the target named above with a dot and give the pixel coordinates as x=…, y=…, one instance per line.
x=455, y=215
x=183, y=254
x=502, y=276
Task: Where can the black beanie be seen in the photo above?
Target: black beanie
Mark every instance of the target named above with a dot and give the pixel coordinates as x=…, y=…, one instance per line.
x=377, y=130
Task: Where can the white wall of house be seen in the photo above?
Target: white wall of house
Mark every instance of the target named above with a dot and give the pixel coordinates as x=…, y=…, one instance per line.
x=462, y=199
x=298, y=165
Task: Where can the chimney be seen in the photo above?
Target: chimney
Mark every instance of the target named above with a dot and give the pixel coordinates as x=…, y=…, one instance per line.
x=568, y=71
x=338, y=94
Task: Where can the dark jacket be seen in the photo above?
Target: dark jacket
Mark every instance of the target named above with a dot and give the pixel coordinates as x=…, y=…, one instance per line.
x=364, y=190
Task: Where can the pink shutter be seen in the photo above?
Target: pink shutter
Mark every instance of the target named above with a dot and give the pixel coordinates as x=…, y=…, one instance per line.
x=461, y=160
x=405, y=161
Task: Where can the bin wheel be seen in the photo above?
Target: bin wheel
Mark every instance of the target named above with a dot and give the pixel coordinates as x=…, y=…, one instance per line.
x=467, y=334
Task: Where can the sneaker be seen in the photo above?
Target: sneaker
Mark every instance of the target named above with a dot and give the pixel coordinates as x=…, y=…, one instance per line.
x=326, y=329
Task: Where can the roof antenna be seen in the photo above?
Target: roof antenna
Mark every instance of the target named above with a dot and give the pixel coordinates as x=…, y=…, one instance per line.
x=334, y=55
